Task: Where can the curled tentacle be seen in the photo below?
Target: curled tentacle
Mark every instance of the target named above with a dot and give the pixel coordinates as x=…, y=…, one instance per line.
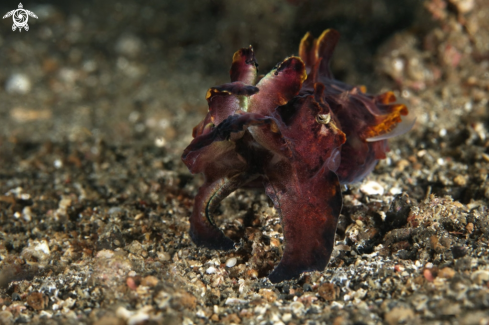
x=203, y=230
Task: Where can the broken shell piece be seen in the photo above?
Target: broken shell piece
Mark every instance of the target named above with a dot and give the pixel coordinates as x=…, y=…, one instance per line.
x=211, y=270
x=372, y=188
x=231, y=262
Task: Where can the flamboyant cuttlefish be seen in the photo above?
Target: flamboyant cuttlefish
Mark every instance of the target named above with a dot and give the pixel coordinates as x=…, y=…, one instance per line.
x=299, y=133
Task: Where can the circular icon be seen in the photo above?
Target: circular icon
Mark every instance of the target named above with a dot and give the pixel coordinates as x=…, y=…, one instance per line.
x=20, y=17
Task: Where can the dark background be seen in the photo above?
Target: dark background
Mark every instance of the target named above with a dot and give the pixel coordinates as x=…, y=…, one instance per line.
x=178, y=50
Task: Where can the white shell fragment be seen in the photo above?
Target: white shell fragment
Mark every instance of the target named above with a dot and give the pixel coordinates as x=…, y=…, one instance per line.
x=395, y=191
x=211, y=270
x=372, y=188
x=18, y=83
x=42, y=247
x=235, y=301
x=231, y=262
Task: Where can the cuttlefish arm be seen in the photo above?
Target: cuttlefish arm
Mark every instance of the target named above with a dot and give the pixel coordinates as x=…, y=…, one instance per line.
x=303, y=185
x=203, y=231
x=215, y=155
x=309, y=209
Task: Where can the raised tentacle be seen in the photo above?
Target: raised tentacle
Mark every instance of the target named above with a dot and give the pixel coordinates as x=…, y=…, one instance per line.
x=244, y=66
x=228, y=99
x=279, y=86
x=307, y=51
x=224, y=100
x=325, y=47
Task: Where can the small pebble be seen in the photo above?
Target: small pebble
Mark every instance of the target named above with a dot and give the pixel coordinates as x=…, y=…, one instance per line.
x=399, y=315
x=460, y=180
x=42, y=247
x=129, y=45
x=105, y=253
x=428, y=275
x=479, y=277
x=36, y=300
x=124, y=313
x=18, y=83
x=372, y=188
x=287, y=317
x=149, y=281
x=463, y=6
x=231, y=262
x=22, y=114
x=297, y=308
x=138, y=318
x=446, y=273
x=211, y=270
x=395, y=191
x=46, y=314
x=163, y=256
x=236, y=301
x=132, y=283
x=459, y=251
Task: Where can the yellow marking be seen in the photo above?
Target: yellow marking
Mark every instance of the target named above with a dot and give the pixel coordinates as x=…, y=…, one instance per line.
x=337, y=131
x=273, y=127
x=237, y=55
x=307, y=44
x=213, y=91
x=208, y=94
x=327, y=40
x=387, y=97
x=389, y=122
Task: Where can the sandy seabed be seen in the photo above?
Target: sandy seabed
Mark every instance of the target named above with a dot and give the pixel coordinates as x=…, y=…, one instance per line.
x=99, y=100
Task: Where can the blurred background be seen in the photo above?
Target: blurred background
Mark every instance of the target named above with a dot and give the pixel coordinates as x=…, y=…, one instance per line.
x=129, y=70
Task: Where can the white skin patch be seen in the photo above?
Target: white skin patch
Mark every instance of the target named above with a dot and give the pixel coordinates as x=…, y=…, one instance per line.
x=324, y=130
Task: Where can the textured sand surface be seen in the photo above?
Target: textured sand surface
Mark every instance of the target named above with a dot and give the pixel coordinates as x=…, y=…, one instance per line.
x=98, y=101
